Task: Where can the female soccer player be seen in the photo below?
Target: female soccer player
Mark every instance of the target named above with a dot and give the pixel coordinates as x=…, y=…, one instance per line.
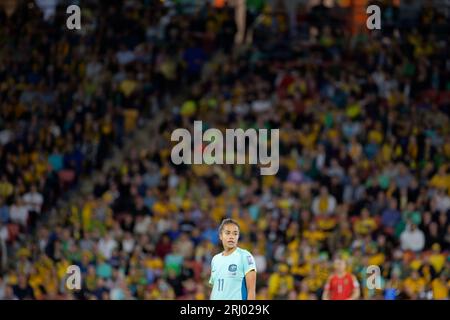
x=341, y=285
x=233, y=271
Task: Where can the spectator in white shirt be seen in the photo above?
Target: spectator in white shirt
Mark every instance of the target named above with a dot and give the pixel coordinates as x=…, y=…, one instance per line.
x=142, y=224
x=18, y=212
x=106, y=246
x=128, y=243
x=9, y=293
x=33, y=200
x=260, y=261
x=412, y=238
x=442, y=200
x=125, y=56
x=42, y=238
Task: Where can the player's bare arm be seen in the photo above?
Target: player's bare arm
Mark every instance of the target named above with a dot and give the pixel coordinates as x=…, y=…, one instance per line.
x=250, y=280
x=326, y=291
x=356, y=292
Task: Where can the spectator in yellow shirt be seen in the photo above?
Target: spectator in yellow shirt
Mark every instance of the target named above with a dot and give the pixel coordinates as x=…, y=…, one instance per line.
x=440, y=288
x=304, y=291
x=280, y=283
x=365, y=224
x=441, y=180
x=437, y=259
x=414, y=285
x=263, y=294
x=6, y=188
x=313, y=281
x=313, y=235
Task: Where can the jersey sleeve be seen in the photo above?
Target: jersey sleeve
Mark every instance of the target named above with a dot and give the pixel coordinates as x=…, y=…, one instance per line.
x=249, y=262
x=213, y=271
x=327, y=284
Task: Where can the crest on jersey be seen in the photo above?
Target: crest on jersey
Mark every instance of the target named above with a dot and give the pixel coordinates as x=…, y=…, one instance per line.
x=232, y=268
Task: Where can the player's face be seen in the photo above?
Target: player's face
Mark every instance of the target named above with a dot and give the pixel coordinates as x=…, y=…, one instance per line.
x=339, y=266
x=229, y=236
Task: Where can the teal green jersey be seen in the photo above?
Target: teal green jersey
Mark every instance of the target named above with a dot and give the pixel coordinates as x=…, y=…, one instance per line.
x=228, y=275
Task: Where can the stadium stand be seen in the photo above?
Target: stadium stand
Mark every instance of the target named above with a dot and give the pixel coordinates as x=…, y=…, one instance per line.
x=364, y=149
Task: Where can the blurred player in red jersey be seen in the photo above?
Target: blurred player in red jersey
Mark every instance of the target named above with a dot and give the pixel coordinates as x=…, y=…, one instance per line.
x=341, y=285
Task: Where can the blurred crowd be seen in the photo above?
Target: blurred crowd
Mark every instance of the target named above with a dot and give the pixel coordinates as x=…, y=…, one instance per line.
x=364, y=149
